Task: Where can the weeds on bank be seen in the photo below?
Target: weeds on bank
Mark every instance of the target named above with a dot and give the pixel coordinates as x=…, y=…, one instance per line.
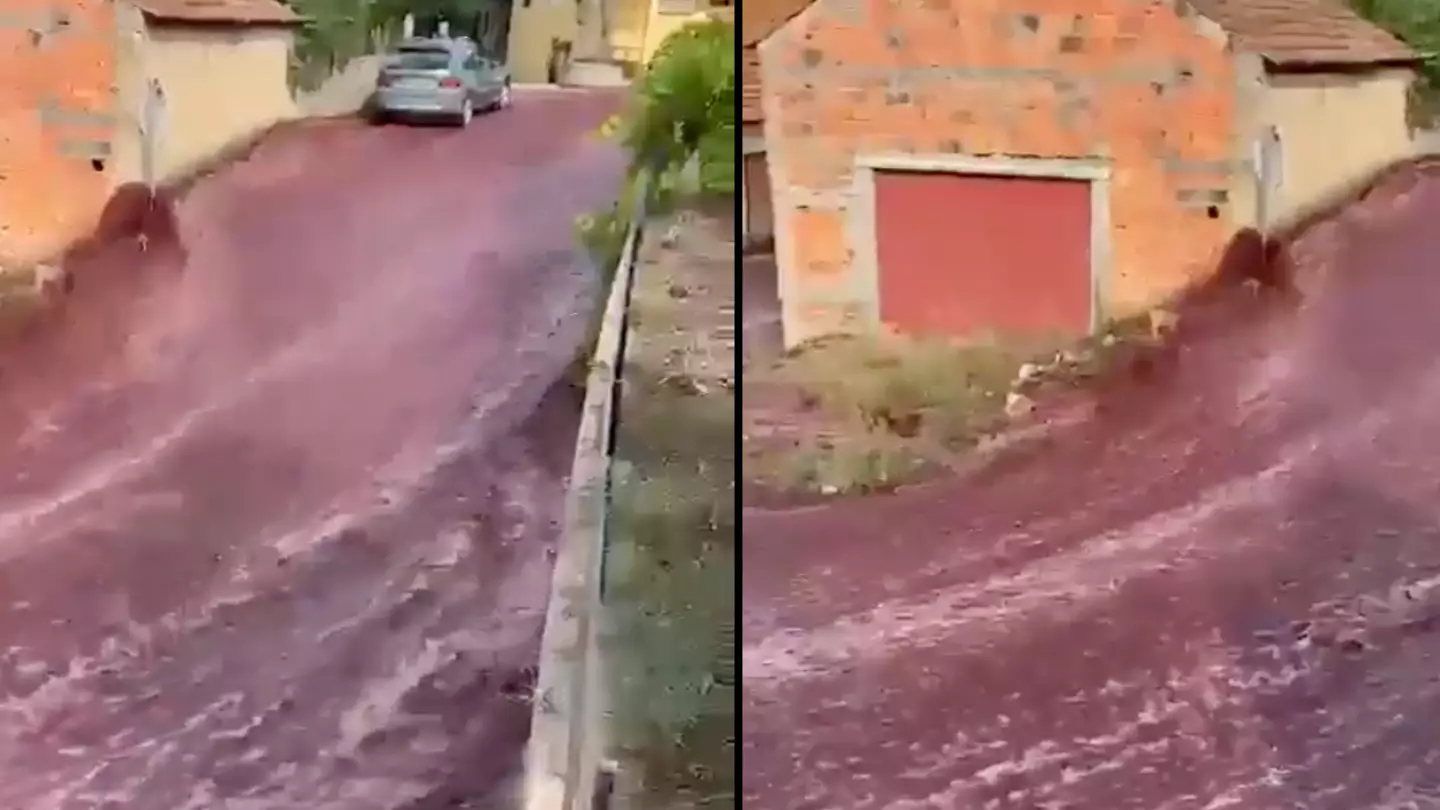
x=866, y=414
x=670, y=567
x=875, y=412
x=671, y=590
x=21, y=300
x=602, y=237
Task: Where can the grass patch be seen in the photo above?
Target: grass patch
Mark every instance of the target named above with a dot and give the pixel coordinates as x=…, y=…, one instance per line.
x=866, y=414
x=717, y=166
x=602, y=238
x=671, y=566
x=17, y=283
x=21, y=300
x=671, y=593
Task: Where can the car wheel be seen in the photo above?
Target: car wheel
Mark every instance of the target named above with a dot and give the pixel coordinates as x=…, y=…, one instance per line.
x=505, y=99
x=467, y=113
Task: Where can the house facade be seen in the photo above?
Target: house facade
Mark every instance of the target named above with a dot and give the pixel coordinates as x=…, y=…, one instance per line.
x=220, y=71
x=954, y=168
x=633, y=31
x=106, y=94
x=639, y=28
x=537, y=27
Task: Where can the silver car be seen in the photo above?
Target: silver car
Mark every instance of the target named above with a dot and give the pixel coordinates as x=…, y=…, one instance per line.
x=445, y=79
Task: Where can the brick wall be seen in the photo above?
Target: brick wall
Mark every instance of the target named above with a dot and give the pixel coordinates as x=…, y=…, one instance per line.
x=57, y=122
x=1138, y=82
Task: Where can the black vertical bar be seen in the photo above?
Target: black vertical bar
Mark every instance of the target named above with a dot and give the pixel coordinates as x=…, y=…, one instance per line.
x=603, y=794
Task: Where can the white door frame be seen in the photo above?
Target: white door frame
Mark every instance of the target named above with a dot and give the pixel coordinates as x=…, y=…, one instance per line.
x=862, y=222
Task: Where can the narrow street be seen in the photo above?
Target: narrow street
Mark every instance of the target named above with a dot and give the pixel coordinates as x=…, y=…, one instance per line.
x=1218, y=586
x=276, y=500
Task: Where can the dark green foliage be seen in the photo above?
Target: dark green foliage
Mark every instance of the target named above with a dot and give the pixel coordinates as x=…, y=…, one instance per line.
x=335, y=31
x=1417, y=22
x=684, y=105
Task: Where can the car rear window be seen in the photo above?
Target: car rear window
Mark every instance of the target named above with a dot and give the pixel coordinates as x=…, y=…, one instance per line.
x=421, y=60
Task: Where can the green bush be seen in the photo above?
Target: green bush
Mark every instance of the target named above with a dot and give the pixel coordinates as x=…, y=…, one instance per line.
x=717, y=163
x=684, y=106
x=602, y=236
x=1417, y=22
x=333, y=33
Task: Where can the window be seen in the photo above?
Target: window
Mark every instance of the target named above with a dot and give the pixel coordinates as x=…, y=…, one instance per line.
x=421, y=60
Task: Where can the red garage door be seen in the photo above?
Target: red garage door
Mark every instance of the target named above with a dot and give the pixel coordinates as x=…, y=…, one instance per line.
x=963, y=255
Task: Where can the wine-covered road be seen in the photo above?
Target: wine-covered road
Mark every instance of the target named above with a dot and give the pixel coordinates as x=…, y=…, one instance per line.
x=278, y=490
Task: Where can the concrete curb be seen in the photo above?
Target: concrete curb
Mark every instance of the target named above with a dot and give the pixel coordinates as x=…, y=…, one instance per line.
x=567, y=735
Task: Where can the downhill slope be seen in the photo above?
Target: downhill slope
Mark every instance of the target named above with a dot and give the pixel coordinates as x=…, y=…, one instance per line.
x=1216, y=585
x=276, y=497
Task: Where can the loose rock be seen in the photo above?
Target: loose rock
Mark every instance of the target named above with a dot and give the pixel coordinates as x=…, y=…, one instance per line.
x=1017, y=404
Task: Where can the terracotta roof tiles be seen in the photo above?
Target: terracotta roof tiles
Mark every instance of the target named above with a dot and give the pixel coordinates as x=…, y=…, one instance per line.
x=761, y=18
x=1294, y=33
x=1290, y=34
x=220, y=12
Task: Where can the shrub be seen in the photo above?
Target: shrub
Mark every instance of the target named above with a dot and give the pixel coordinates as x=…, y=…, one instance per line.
x=332, y=34
x=602, y=236
x=1417, y=22
x=684, y=105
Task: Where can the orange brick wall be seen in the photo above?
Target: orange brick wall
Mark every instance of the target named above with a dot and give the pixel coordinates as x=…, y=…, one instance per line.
x=1149, y=88
x=56, y=116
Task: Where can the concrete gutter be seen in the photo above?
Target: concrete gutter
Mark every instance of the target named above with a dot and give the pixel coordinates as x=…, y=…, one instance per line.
x=567, y=730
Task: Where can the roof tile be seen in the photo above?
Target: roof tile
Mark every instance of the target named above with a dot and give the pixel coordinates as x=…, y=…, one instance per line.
x=220, y=12
x=1292, y=33
x=764, y=17
x=1286, y=33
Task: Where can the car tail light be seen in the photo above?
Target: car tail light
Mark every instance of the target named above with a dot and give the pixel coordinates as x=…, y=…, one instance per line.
x=449, y=81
